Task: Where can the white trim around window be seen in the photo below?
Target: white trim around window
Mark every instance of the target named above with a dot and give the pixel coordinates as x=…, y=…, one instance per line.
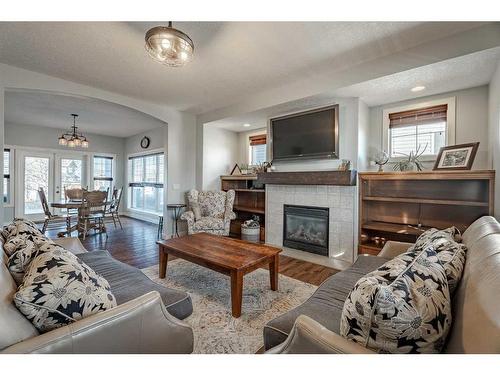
x=133, y=212
x=450, y=123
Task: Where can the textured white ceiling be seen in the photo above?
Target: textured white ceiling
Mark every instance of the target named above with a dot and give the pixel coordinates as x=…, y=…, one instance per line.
x=233, y=60
x=95, y=116
x=455, y=74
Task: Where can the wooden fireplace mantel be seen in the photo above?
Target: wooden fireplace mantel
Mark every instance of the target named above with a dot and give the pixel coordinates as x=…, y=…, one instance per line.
x=343, y=178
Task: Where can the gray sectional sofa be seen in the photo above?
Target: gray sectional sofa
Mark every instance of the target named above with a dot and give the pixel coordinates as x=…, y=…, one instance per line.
x=146, y=320
x=314, y=326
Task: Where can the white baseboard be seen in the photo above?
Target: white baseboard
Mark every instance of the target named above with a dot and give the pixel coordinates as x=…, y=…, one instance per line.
x=150, y=218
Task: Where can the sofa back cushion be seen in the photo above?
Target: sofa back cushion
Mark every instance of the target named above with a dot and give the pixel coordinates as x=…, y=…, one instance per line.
x=476, y=303
x=59, y=289
x=14, y=325
x=402, y=307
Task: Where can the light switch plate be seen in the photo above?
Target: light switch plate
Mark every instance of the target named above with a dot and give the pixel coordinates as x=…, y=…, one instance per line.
x=176, y=186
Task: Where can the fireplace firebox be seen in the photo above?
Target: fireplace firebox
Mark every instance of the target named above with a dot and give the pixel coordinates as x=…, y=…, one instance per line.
x=306, y=228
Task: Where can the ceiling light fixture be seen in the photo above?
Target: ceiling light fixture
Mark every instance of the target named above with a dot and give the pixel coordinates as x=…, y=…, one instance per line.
x=418, y=88
x=246, y=125
x=72, y=138
x=169, y=46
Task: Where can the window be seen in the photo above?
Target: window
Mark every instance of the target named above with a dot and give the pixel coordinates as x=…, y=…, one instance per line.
x=103, y=173
x=257, y=149
x=6, y=176
x=146, y=182
x=422, y=130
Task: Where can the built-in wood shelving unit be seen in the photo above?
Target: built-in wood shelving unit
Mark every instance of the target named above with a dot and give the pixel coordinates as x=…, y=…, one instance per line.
x=401, y=205
x=250, y=199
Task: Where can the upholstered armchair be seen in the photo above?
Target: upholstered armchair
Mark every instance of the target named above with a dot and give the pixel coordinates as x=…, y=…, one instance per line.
x=210, y=212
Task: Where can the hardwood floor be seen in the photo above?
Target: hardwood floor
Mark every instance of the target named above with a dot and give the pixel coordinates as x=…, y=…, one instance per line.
x=136, y=245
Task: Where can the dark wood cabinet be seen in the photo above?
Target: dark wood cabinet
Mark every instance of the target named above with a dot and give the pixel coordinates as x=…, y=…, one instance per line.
x=399, y=206
x=250, y=200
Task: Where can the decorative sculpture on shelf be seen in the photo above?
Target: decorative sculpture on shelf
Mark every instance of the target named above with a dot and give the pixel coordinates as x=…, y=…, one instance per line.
x=381, y=159
x=411, y=162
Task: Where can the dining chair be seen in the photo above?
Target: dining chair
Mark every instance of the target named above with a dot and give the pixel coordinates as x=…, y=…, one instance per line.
x=112, y=211
x=51, y=219
x=73, y=194
x=92, y=211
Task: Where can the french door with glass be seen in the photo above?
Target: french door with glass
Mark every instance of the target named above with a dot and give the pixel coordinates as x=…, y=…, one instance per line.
x=50, y=171
x=69, y=174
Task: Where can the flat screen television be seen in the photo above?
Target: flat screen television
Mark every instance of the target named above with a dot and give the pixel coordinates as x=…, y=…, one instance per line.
x=312, y=134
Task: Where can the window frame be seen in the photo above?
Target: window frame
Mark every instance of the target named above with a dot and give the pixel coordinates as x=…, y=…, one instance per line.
x=450, y=124
x=145, y=184
x=111, y=179
x=257, y=134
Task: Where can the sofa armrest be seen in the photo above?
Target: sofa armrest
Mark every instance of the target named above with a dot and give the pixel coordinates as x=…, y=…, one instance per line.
x=392, y=249
x=310, y=337
x=140, y=326
x=72, y=244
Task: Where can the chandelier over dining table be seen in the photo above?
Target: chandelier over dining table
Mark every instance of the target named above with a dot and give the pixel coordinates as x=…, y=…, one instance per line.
x=73, y=138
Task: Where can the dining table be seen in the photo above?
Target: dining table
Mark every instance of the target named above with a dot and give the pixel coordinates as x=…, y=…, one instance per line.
x=70, y=205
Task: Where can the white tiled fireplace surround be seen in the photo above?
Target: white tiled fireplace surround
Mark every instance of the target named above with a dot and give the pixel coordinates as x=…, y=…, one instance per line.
x=340, y=201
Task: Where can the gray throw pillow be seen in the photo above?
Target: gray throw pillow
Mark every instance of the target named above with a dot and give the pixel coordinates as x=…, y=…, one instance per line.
x=59, y=289
x=402, y=307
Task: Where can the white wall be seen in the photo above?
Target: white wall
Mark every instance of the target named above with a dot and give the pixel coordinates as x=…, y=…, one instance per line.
x=471, y=122
x=180, y=141
x=244, y=144
x=363, y=135
x=220, y=153
x=494, y=132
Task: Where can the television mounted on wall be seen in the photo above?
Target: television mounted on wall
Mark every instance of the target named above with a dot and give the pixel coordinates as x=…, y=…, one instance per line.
x=312, y=134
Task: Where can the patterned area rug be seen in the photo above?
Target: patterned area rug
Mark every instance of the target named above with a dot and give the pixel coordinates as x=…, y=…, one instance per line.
x=215, y=330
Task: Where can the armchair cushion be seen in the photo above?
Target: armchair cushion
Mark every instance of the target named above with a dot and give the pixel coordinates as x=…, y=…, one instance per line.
x=208, y=223
x=59, y=289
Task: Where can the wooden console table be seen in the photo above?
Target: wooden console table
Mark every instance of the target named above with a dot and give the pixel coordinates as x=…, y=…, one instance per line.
x=399, y=206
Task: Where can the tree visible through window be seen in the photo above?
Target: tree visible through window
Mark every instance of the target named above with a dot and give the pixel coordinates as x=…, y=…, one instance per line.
x=421, y=129
x=146, y=182
x=258, y=149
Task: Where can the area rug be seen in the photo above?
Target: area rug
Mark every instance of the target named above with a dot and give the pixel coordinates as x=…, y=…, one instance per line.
x=215, y=329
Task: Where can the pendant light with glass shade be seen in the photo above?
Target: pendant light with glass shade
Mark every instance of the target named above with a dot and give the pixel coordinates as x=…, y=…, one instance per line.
x=72, y=138
x=169, y=46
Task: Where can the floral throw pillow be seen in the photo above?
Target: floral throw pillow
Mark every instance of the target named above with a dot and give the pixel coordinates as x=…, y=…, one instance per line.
x=402, y=307
x=451, y=253
x=59, y=289
x=16, y=232
x=25, y=252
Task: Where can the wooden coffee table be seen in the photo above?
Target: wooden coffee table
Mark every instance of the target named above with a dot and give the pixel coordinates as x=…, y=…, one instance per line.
x=228, y=256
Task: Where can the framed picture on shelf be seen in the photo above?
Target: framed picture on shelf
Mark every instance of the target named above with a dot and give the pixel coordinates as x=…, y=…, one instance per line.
x=456, y=157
